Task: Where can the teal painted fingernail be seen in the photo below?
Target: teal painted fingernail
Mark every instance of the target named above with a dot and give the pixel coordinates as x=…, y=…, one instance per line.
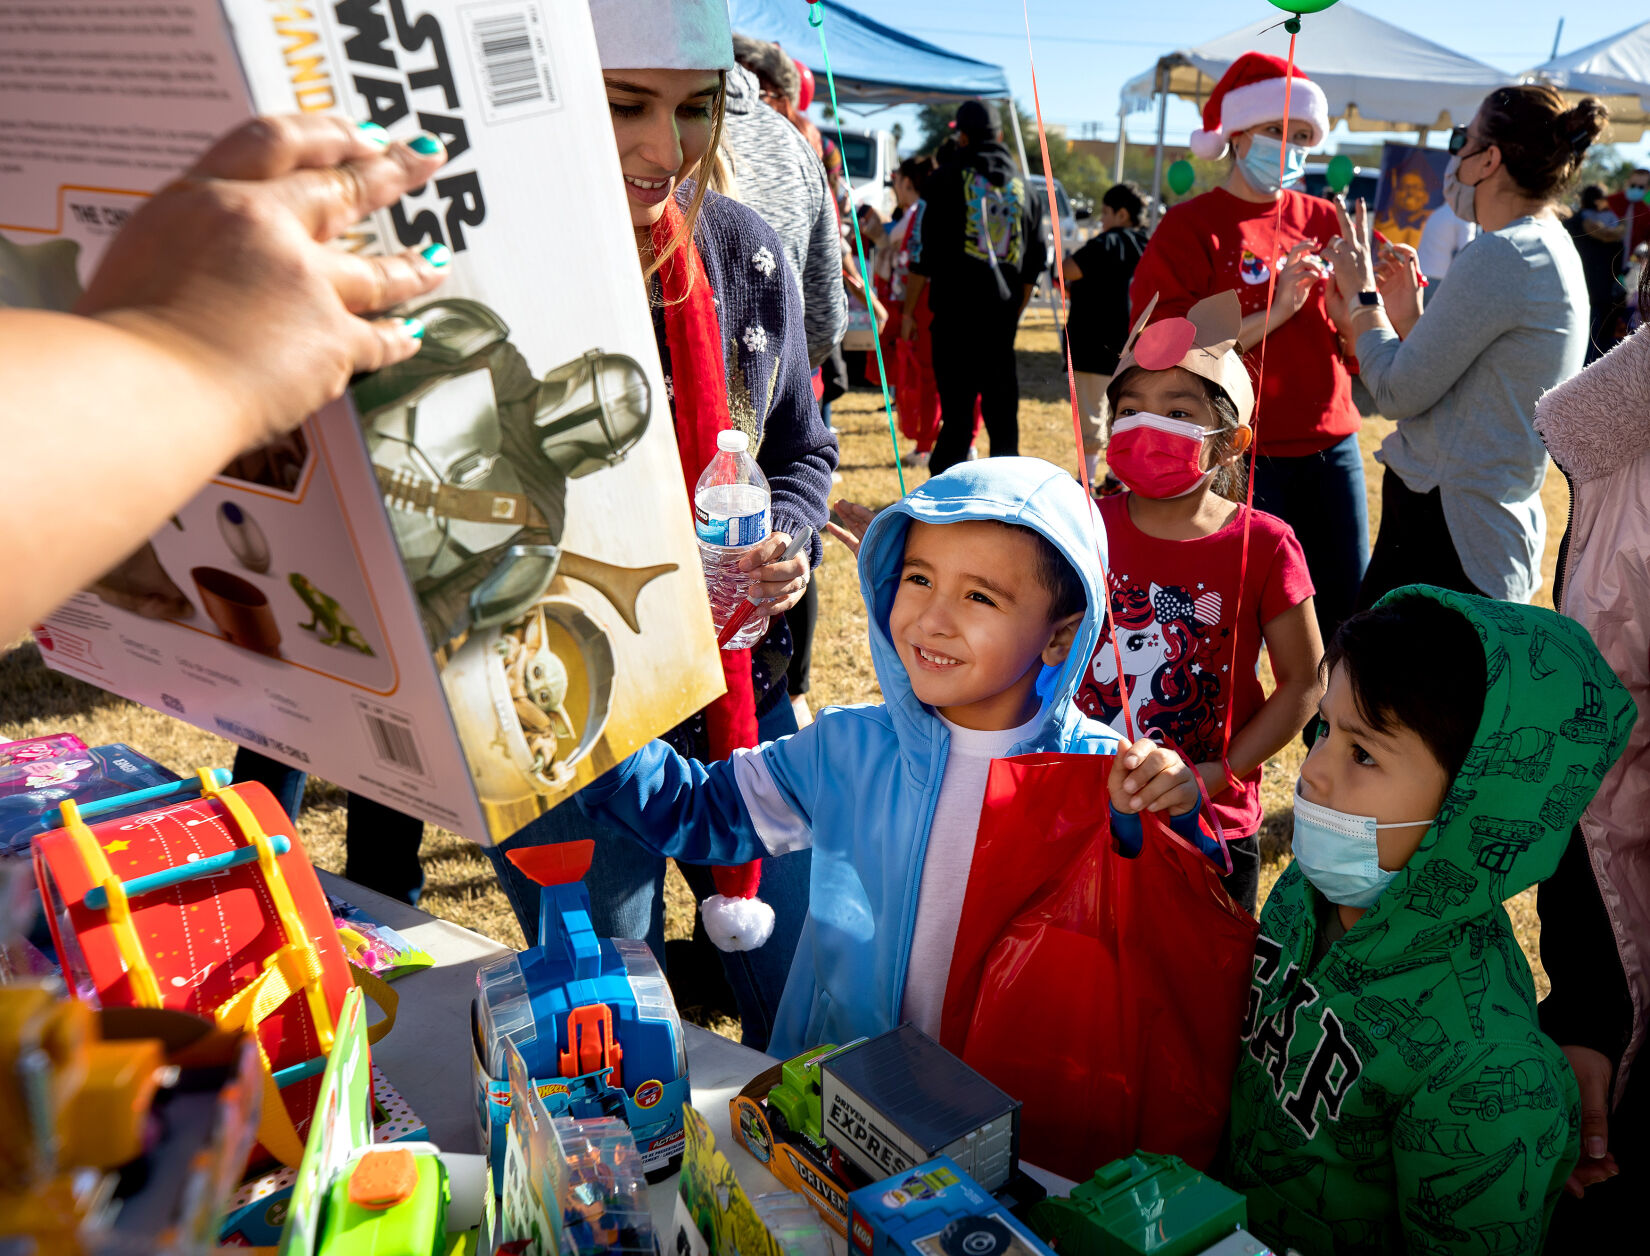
x=438, y=255
x=374, y=134
x=424, y=144
x=414, y=327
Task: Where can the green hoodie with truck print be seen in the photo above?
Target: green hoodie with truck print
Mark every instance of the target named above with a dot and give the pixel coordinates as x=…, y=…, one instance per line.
x=1397, y=1095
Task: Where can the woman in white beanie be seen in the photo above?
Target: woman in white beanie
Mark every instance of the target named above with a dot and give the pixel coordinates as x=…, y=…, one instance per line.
x=728, y=320
x=1240, y=236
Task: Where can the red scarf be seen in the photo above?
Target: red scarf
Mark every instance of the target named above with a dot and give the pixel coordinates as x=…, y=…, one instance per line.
x=700, y=410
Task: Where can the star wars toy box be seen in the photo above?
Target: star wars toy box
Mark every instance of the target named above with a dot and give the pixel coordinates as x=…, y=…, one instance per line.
x=935, y=1209
x=471, y=586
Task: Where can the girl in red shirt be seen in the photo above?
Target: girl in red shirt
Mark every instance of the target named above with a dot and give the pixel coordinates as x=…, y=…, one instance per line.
x=1310, y=471
x=1188, y=632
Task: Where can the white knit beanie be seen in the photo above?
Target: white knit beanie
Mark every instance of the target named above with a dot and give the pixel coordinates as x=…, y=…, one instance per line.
x=663, y=34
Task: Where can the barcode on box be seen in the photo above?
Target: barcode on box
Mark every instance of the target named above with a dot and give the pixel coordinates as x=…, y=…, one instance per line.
x=512, y=58
x=391, y=735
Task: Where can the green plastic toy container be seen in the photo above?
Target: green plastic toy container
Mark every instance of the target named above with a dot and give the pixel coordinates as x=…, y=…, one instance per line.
x=1142, y=1204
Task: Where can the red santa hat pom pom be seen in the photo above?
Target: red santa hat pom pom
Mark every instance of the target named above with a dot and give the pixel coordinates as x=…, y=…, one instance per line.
x=734, y=917
x=1250, y=93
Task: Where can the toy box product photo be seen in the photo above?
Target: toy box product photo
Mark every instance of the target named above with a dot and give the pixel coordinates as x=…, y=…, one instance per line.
x=570, y=1187
x=715, y=1216
x=936, y=1209
x=592, y=1018
x=472, y=585
x=835, y=1118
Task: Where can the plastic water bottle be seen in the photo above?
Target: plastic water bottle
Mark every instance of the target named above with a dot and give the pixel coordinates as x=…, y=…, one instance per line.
x=732, y=514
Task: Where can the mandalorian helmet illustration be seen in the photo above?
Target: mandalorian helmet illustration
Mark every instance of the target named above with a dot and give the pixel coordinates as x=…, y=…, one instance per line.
x=473, y=453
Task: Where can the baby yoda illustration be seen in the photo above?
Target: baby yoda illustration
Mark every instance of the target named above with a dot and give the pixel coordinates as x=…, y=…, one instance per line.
x=328, y=621
x=538, y=688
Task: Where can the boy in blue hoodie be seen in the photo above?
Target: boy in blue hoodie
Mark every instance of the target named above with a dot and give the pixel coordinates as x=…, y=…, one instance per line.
x=975, y=583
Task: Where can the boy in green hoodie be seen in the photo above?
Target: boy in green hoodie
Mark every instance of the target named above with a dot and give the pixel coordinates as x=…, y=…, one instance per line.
x=1395, y=1093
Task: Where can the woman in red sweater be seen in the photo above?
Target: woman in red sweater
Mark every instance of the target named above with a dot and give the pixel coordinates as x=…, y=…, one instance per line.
x=1309, y=470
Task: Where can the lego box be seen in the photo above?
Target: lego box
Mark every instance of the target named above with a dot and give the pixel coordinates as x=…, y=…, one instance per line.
x=473, y=585
x=935, y=1209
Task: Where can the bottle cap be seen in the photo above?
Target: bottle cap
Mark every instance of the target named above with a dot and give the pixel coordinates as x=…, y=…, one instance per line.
x=732, y=442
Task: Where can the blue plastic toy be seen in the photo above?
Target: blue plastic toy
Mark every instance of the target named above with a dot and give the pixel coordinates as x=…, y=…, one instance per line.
x=593, y=1018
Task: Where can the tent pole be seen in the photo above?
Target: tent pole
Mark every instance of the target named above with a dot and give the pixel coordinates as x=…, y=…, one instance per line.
x=1162, y=124
x=1122, y=140
x=1020, y=140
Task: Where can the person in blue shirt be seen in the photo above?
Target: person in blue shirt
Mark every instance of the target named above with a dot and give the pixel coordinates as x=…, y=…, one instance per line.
x=981, y=589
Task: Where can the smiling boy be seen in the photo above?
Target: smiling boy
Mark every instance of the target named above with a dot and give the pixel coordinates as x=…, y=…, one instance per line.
x=973, y=585
x=1395, y=1093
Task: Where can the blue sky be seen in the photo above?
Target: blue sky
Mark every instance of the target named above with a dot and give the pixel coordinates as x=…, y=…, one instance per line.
x=1087, y=51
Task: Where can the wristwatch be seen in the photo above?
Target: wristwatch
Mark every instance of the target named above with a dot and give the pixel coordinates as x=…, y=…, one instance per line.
x=1370, y=299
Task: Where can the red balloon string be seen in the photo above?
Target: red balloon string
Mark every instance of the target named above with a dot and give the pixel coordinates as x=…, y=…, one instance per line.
x=1254, y=422
x=1071, y=379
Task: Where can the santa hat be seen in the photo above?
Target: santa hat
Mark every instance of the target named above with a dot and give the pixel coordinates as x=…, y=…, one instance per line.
x=734, y=917
x=1251, y=93
x=663, y=34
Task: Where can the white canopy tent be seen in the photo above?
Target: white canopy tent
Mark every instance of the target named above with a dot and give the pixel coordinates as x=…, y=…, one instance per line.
x=1617, y=70
x=1378, y=77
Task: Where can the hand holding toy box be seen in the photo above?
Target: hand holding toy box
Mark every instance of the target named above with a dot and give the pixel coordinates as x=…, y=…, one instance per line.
x=473, y=585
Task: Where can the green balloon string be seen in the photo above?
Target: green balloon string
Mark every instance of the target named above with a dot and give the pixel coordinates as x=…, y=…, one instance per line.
x=816, y=17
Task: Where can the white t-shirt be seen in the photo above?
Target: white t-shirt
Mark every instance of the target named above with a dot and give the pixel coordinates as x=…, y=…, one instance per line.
x=946, y=864
x=1442, y=238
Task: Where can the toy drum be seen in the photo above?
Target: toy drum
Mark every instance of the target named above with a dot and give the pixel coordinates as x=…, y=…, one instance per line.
x=206, y=905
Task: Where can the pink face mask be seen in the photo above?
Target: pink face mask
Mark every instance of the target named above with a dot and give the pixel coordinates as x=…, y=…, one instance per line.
x=1158, y=457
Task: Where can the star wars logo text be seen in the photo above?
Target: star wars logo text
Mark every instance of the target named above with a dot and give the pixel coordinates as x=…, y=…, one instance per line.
x=858, y=1130
x=400, y=67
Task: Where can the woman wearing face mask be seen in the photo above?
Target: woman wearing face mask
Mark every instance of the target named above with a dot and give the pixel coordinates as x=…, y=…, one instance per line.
x=1460, y=500
x=1253, y=229
x=727, y=318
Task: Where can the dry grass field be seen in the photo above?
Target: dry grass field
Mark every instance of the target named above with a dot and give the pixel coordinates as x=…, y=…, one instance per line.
x=460, y=885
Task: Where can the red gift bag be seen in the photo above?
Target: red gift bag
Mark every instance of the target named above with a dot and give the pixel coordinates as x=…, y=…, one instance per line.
x=1104, y=992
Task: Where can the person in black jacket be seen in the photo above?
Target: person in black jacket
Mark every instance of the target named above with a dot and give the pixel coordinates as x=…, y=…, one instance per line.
x=979, y=251
x=1099, y=274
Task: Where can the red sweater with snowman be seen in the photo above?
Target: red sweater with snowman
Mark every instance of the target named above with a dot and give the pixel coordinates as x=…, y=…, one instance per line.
x=1218, y=241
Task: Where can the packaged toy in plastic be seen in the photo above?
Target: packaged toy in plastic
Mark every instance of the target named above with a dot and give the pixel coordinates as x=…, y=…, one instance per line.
x=33, y=787
x=373, y=945
x=32, y=748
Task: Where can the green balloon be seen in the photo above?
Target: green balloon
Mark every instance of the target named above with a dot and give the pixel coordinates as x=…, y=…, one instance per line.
x=1303, y=6
x=1340, y=172
x=1181, y=177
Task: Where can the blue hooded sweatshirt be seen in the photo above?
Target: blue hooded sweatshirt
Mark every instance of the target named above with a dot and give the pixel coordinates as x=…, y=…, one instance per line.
x=859, y=784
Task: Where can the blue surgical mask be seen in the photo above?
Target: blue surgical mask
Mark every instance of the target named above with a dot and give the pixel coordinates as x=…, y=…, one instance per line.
x=1260, y=164
x=1338, y=852
x=1635, y=194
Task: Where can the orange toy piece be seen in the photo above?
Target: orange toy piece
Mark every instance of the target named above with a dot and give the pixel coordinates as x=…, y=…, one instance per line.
x=249, y=942
x=591, y=1044
x=382, y=1179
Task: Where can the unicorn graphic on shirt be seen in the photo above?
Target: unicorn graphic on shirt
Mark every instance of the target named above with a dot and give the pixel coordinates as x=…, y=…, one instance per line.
x=1161, y=637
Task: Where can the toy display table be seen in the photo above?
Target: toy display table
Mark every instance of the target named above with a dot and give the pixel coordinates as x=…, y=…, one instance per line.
x=427, y=1056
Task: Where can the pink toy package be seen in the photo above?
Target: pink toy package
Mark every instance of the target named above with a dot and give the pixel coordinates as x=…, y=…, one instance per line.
x=33, y=748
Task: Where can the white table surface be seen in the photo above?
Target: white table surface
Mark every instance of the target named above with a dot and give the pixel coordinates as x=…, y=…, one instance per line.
x=427, y=1055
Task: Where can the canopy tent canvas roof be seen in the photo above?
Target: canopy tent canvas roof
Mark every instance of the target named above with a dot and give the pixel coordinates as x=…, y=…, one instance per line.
x=1617, y=70
x=873, y=63
x=1377, y=76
